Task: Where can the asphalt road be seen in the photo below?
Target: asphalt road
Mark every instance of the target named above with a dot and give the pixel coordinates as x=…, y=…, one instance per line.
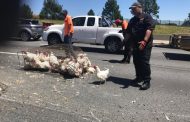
x=32, y=96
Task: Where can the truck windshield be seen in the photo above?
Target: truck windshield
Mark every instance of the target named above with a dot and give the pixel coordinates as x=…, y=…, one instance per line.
x=35, y=22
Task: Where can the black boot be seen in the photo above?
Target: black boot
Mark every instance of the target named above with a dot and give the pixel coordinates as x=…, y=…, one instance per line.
x=124, y=60
x=128, y=61
x=145, y=85
x=137, y=80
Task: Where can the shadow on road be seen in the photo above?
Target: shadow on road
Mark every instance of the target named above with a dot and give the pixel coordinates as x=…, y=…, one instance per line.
x=120, y=81
x=162, y=46
x=176, y=56
x=113, y=61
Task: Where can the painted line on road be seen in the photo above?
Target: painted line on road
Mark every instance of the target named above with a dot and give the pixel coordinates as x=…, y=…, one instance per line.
x=9, y=53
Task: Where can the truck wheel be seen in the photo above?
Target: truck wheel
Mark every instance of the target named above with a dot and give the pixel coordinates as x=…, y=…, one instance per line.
x=54, y=39
x=25, y=36
x=113, y=45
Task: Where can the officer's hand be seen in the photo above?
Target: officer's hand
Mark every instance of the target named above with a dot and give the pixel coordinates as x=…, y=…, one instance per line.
x=142, y=44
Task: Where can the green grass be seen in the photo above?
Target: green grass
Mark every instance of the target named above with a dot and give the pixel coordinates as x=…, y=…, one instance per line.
x=168, y=30
x=159, y=30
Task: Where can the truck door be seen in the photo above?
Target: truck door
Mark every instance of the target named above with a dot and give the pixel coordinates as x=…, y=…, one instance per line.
x=78, y=24
x=89, y=31
x=102, y=30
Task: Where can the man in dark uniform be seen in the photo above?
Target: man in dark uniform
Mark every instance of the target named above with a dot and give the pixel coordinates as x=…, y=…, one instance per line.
x=139, y=32
x=127, y=49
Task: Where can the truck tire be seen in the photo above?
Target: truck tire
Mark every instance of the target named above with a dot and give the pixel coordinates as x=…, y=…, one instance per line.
x=53, y=39
x=113, y=44
x=25, y=36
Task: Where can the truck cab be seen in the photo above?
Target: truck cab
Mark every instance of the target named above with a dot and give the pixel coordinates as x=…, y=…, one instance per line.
x=90, y=30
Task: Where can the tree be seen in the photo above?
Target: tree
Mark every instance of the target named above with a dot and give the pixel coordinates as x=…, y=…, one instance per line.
x=111, y=10
x=51, y=10
x=187, y=21
x=25, y=12
x=150, y=7
x=91, y=12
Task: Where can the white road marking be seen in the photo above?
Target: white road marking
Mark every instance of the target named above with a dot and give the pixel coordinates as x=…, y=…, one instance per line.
x=9, y=53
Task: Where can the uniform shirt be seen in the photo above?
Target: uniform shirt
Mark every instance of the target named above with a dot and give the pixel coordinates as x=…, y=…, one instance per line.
x=67, y=22
x=138, y=26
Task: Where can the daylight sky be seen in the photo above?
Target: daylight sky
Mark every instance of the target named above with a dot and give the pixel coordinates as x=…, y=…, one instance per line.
x=169, y=9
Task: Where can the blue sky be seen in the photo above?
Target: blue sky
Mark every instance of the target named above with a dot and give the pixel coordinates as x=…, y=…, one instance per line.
x=169, y=9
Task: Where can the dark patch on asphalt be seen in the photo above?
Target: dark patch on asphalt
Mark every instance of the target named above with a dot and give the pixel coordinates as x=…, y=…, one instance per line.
x=177, y=56
x=123, y=81
x=113, y=61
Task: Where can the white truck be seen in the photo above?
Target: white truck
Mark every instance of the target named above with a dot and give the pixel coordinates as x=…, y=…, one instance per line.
x=90, y=30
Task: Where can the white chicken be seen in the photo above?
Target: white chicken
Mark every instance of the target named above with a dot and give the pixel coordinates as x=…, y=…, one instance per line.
x=53, y=60
x=43, y=56
x=73, y=68
x=36, y=63
x=83, y=60
x=82, y=55
x=44, y=65
x=28, y=56
x=91, y=70
x=102, y=75
x=66, y=60
x=63, y=66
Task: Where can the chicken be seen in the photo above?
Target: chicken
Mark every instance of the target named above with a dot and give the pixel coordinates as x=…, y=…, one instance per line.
x=73, y=68
x=81, y=55
x=53, y=61
x=102, y=75
x=91, y=70
x=28, y=56
x=66, y=60
x=83, y=61
x=44, y=65
x=63, y=66
x=36, y=63
x=43, y=56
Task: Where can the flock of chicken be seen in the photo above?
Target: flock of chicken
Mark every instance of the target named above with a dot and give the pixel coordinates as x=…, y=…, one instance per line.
x=73, y=66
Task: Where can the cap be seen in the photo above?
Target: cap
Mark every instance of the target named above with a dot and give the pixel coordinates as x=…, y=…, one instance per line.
x=65, y=11
x=136, y=4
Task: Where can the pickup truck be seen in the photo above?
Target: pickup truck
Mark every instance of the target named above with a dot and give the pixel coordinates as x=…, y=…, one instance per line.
x=88, y=29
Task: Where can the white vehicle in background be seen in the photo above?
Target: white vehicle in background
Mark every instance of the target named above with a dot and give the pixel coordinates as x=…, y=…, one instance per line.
x=90, y=30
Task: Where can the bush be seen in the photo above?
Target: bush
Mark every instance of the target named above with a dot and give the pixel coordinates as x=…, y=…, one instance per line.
x=172, y=24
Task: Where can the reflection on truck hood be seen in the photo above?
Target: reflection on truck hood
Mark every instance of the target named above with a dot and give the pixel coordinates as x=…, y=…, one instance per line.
x=60, y=26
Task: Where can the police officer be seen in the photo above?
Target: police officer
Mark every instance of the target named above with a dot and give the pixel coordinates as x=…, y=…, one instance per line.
x=127, y=49
x=139, y=31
